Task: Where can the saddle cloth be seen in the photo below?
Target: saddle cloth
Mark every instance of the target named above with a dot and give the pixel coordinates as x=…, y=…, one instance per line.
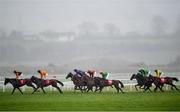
x=46, y=81
x=21, y=82
x=163, y=80
x=109, y=82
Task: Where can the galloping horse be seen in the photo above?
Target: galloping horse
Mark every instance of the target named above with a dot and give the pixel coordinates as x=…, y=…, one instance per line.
x=115, y=83
x=159, y=82
x=17, y=83
x=41, y=83
x=77, y=81
x=92, y=81
x=142, y=81
x=89, y=81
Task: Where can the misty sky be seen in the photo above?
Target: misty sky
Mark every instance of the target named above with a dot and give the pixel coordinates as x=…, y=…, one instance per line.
x=65, y=15
x=133, y=30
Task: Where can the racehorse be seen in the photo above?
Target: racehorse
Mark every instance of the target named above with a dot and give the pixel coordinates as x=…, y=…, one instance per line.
x=92, y=81
x=159, y=82
x=142, y=81
x=17, y=83
x=101, y=83
x=104, y=83
x=41, y=83
x=89, y=81
x=77, y=81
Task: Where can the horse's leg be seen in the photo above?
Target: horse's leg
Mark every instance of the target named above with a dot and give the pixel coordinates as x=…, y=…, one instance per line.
x=175, y=87
x=31, y=85
x=117, y=88
x=13, y=90
x=172, y=87
x=145, y=88
x=75, y=88
x=160, y=89
x=55, y=85
x=140, y=87
x=35, y=90
x=43, y=90
x=121, y=90
x=92, y=89
x=96, y=89
x=80, y=89
x=100, y=89
x=155, y=89
x=88, y=89
x=149, y=89
x=136, y=86
x=20, y=90
x=58, y=89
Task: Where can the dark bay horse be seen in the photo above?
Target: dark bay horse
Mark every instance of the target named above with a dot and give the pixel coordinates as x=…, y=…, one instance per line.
x=17, y=83
x=100, y=83
x=89, y=81
x=78, y=83
x=41, y=83
x=159, y=82
x=142, y=81
x=105, y=83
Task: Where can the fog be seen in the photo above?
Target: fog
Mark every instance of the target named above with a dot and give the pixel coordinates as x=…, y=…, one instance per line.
x=69, y=31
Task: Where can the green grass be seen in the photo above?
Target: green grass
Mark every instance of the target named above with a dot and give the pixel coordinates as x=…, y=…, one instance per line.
x=70, y=101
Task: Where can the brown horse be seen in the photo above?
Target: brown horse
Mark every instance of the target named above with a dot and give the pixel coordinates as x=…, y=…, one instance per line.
x=17, y=83
x=143, y=82
x=159, y=82
x=78, y=82
x=89, y=81
x=115, y=83
x=41, y=83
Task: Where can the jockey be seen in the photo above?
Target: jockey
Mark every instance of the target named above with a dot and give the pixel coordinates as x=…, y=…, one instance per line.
x=79, y=72
x=91, y=73
x=17, y=73
x=144, y=72
x=105, y=75
x=42, y=73
x=158, y=73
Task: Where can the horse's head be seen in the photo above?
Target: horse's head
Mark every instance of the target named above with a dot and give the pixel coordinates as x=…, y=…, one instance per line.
x=7, y=80
x=69, y=75
x=33, y=78
x=133, y=76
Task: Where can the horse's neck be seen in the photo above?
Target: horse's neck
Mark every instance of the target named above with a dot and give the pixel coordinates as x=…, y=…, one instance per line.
x=140, y=79
x=37, y=80
x=75, y=78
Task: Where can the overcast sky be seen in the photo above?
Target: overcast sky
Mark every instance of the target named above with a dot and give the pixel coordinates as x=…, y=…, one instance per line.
x=147, y=30
x=65, y=15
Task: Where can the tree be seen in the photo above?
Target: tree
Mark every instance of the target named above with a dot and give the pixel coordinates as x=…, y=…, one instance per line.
x=111, y=29
x=88, y=28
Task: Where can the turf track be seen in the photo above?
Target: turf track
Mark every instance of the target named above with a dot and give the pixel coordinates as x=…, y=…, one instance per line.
x=108, y=100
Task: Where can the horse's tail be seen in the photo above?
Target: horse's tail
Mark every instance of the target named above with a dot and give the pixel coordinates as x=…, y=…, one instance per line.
x=122, y=85
x=60, y=82
x=176, y=79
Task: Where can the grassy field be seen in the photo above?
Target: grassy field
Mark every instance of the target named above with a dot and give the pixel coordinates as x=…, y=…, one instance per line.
x=108, y=100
